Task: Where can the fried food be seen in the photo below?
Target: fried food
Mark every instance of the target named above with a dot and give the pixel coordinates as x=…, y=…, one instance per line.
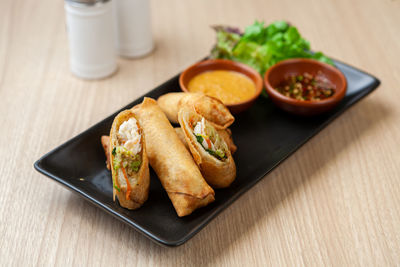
x=128, y=161
x=172, y=162
x=210, y=108
x=208, y=148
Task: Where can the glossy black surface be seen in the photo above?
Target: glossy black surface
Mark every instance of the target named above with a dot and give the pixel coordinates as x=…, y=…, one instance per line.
x=265, y=136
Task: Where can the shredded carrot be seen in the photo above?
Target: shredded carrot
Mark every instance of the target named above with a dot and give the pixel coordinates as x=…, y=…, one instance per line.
x=208, y=142
x=128, y=185
x=191, y=122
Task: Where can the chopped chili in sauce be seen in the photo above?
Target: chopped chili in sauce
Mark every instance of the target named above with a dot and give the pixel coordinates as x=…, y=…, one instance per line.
x=306, y=87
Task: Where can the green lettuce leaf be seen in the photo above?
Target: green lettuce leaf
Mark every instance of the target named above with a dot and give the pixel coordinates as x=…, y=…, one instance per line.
x=262, y=46
x=226, y=41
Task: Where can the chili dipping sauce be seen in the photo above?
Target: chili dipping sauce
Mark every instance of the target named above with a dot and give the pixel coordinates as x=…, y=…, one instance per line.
x=307, y=87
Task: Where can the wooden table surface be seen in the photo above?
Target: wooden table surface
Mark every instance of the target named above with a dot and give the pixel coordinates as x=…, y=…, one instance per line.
x=336, y=201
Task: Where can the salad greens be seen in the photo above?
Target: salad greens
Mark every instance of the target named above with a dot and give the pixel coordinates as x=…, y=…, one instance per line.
x=263, y=46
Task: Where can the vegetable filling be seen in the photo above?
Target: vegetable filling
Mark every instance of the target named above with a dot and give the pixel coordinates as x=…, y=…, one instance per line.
x=209, y=139
x=126, y=156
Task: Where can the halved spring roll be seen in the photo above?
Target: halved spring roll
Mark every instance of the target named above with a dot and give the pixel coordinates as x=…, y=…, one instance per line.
x=225, y=134
x=208, y=148
x=128, y=161
x=171, y=161
x=210, y=108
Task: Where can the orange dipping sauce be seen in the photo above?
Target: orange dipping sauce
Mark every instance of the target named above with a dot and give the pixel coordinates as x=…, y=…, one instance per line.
x=230, y=87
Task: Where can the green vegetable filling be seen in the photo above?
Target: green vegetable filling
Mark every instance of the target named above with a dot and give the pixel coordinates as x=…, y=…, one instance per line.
x=200, y=139
x=219, y=154
x=135, y=165
x=125, y=158
x=116, y=187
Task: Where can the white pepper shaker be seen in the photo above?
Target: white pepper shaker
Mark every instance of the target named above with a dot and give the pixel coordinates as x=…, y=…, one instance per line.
x=133, y=23
x=90, y=28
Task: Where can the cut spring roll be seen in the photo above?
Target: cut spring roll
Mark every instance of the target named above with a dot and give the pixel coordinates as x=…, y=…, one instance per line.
x=208, y=148
x=171, y=161
x=128, y=161
x=225, y=134
x=210, y=108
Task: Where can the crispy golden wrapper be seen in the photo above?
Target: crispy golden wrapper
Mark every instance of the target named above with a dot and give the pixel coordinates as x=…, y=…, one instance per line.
x=210, y=108
x=172, y=162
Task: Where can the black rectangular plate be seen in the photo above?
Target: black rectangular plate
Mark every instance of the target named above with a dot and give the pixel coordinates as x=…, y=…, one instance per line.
x=265, y=136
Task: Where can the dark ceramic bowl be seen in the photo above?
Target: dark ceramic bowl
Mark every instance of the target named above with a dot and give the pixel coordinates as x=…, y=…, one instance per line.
x=298, y=66
x=222, y=64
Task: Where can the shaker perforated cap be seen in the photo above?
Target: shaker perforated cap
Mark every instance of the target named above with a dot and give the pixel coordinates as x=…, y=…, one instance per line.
x=86, y=2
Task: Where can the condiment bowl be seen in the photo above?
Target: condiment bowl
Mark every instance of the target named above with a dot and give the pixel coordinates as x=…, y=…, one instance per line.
x=298, y=66
x=223, y=64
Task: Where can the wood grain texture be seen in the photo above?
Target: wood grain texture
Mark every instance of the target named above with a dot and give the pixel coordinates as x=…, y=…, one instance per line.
x=335, y=202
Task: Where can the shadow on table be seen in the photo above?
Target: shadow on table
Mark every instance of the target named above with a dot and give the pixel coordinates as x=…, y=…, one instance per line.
x=230, y=226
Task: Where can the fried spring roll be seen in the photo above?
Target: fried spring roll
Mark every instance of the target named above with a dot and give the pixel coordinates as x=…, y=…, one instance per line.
x=225, y=134
x=128, y=161
x=208, y=148
x=173, y=164
x=210, y=108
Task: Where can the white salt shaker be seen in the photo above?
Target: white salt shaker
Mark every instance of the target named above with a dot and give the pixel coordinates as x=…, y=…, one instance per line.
x=90, y=28
x=133, y=23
